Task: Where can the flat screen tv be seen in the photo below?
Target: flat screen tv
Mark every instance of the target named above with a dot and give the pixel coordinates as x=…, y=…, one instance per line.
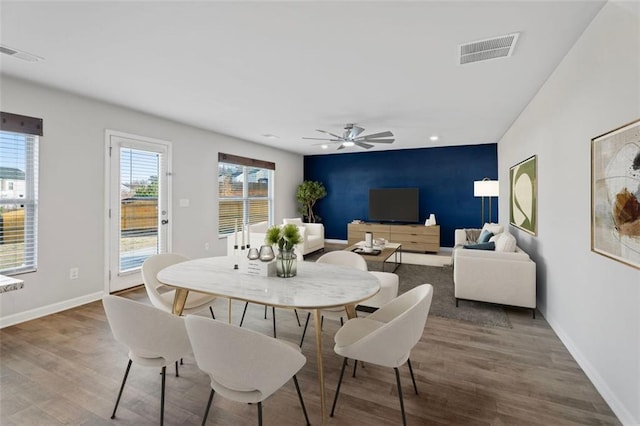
x=394, y=205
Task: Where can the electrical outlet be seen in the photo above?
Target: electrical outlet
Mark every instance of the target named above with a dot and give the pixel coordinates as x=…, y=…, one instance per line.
x=206, y=246
x=74, y=273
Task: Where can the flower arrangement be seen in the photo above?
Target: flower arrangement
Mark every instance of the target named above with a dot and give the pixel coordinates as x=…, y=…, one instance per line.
x=285, y=237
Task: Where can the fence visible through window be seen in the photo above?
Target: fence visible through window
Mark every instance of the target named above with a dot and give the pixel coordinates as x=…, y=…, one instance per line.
x=244, y=195
x=139, y=223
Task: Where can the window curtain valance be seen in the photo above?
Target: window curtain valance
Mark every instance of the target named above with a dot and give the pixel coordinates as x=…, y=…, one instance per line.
x=20, y=124
x=244, y=161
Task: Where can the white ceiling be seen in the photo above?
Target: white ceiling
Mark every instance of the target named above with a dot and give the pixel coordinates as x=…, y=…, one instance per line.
x=248, y=69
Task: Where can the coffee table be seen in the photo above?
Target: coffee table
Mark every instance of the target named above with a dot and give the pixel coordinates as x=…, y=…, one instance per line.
x=389, y=249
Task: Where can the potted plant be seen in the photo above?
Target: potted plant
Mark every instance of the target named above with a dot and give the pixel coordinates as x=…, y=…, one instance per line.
x=307, y=194
x=286, y=238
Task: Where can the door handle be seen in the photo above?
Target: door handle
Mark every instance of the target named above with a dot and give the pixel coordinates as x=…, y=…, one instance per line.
x=164, y=221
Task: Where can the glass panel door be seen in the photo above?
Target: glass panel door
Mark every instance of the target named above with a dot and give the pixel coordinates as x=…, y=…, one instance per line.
x=139, y=209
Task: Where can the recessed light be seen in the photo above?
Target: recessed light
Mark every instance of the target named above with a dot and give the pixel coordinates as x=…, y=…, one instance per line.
x=434, y=138
x=324, y=146
x=270, y=136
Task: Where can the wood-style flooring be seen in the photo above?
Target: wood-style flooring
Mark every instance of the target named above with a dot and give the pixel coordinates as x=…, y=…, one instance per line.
x=66, y=369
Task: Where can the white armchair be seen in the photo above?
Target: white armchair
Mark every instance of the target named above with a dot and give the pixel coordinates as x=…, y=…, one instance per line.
x=505, y=275
x=312, y=235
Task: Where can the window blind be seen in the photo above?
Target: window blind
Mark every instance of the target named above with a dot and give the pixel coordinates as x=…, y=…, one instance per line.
x=244, y=192
x=139, y=205
x=18, y=202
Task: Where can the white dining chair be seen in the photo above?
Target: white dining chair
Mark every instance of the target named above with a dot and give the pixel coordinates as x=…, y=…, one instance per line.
x=338, y=257
x=154, y=338
x=164, y=299
x=344, y=258
x=243, y=365
x=386, y=337
x=389, y=283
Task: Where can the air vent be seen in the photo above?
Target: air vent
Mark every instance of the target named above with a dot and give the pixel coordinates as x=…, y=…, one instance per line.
x=15, y=53
x=491, y=48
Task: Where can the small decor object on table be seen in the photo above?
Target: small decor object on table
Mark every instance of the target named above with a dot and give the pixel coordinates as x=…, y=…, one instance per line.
x=368, y=242
x=266, y=253
x=431, y=221
x=253, y=254
x=286, y=238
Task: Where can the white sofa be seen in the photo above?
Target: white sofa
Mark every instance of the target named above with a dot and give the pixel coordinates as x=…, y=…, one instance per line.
x=505, y=275
x=312, y=236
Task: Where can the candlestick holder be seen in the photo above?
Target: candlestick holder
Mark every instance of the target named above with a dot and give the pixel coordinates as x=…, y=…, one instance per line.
x=235, y=256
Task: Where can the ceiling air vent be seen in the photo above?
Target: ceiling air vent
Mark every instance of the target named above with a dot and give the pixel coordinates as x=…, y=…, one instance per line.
x=19, y=54
x=491, y=48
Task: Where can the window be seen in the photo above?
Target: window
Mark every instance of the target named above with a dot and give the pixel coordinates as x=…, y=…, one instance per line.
x=18, y=193
x=245, y=191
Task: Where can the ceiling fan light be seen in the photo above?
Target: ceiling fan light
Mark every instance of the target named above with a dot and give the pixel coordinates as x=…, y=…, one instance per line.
x=348, y=143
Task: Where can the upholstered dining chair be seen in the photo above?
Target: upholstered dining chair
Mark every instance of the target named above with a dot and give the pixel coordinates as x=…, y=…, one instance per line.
x=154, y=338
x=344, y=258
x=164, y=300
x=386, y=337
x=338, y=257
x=389, y=283
x=243, y=365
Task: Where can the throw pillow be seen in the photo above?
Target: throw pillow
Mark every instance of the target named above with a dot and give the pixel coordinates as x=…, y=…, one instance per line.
x=481, y=246
x=295, y=221
x=496, y=228
x=506, y=242
x=484, y=236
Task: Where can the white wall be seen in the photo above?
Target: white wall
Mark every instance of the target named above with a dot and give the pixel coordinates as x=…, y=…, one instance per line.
x=72, y=188
x=592, y=302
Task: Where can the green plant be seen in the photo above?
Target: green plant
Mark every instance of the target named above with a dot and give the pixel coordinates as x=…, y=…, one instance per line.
x=307, y=194
x=285, y=237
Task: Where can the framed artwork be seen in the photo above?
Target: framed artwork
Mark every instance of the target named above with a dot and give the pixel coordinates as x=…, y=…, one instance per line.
x=615, y=194
x=523, y=195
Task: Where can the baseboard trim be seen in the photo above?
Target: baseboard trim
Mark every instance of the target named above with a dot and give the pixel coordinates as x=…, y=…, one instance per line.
x=49, y=309
x=336, y=241
x=623, y=414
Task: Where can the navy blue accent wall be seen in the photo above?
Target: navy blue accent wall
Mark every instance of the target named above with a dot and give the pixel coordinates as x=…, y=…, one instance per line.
x=444, y=176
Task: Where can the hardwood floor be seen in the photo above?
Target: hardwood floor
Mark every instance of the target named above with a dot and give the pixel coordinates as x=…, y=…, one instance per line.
x=67, y=369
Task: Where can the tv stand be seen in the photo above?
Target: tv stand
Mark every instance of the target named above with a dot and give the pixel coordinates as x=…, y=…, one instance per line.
x=412, y=237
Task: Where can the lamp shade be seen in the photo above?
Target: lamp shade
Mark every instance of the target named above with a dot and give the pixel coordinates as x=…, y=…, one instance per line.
x=486, y=188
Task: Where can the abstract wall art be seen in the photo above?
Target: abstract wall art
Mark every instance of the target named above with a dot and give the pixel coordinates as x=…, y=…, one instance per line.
x=615, y=194
x=523, y=195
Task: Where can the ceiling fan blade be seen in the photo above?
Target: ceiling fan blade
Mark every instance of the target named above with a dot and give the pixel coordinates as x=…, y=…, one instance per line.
x=355, y=131
x=364, y=145
x=376, y=135
x=378, y=140
x=341, y=146
x=329, y=133
x=325, y=139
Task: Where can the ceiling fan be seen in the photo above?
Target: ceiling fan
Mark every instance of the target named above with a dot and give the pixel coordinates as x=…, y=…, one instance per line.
x=351, y=136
